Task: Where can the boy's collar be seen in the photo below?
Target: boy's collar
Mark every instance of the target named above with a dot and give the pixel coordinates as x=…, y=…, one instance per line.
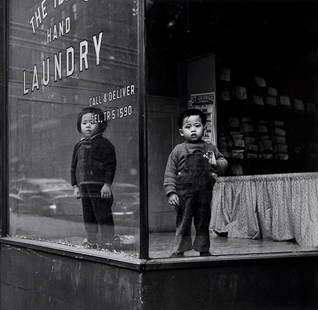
x=193, y=142
x=92, y=137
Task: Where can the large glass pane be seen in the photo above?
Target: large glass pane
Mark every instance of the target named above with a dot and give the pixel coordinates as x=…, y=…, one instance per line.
x=66, y=56
x=253, y=71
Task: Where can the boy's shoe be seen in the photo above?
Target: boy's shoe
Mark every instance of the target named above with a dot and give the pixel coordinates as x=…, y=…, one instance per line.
x=116, y=242
x=221, y=234
x=177, y=254
x=205, y=253
x=90, y=245
x=106, y=246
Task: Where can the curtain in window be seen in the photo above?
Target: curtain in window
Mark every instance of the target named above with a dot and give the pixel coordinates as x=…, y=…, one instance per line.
x=278, y=207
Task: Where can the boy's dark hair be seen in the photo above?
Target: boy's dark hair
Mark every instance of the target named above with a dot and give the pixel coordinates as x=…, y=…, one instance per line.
x=190, y=112
x=102, y=123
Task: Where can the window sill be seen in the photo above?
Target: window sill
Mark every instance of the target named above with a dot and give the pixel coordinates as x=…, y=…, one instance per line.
x=159, y=263
x=81, y=254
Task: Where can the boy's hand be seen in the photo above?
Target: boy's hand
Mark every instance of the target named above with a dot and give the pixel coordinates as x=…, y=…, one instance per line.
x=106, y=192
x=77, y=192
x=173, y=200
x=212, y=160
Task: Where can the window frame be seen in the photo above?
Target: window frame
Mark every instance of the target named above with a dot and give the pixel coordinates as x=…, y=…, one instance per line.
x=4, y=149
x=143, y=262
x=4, y=141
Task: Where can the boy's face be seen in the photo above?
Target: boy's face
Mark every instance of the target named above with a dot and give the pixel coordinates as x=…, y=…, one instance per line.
x=192, y=128
x=89, y=126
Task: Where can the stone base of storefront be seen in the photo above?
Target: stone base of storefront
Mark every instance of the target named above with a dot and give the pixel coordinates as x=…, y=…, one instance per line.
x=32, y=278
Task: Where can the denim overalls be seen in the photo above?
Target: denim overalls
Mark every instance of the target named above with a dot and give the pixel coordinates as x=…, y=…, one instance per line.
x=194, y=187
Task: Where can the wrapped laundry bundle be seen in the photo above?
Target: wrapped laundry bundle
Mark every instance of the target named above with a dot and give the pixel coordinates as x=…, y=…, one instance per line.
x=247, y=127
x=279, y=140
x=266, y=149
x=281, y=148
x=252, y=148
x=282, y=156
x=279, y=123
x=279, y=132
x=238, y=140
x=270, y=100
x=284, y=101
x=258, y=100
x=237, y=154
x=259, y=81
x=299, y=105
x=311, y=107
x=271, y=91
x=251, y=155
x=234, y=122
x=225, y=94
x=240, y=93
x=267, y=155
x=249, y=139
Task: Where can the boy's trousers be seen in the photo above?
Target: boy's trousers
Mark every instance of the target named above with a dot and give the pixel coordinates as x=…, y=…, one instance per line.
x=97, y=213
x=196, y=205
x=194, y=187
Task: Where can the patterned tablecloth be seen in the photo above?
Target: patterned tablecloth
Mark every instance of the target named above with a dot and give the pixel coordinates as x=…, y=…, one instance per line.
x=278, y=207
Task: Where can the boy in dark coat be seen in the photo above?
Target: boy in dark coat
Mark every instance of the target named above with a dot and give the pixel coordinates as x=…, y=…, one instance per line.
x=92, y=173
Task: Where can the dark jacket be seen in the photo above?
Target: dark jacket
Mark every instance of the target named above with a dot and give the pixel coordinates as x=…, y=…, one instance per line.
x=93, y=161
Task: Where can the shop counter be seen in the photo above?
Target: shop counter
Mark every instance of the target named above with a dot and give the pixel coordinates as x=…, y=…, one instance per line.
x=278, y=207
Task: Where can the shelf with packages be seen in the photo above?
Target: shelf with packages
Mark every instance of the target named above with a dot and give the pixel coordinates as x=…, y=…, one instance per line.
x=242, y=108
x=262, y=139
x=261, y=128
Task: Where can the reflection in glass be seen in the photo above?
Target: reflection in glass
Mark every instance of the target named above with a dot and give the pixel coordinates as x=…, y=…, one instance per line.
x=92, y=174
x=84, y=54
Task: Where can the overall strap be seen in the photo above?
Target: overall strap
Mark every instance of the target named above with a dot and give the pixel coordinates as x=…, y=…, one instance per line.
x=186, y=149
x=208, y=147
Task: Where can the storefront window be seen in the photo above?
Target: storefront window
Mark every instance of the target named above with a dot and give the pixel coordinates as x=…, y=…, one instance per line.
x=252, y=69
x=74, y=131
x=66, y=56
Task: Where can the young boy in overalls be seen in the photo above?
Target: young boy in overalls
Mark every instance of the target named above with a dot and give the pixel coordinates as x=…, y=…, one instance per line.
x=188, y=182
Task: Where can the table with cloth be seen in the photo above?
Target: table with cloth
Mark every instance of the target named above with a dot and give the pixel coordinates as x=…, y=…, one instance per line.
x=279, y=207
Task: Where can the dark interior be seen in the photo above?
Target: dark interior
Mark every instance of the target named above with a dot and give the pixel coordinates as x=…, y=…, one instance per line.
x=273, y=40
